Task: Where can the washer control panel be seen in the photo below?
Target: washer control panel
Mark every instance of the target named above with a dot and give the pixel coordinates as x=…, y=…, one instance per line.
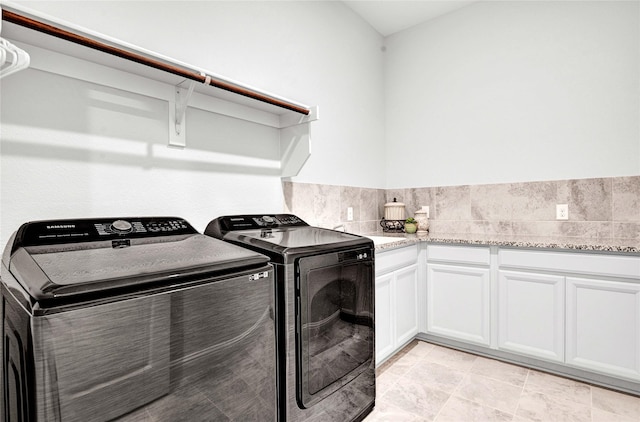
x=150, y=227
x=259, y=221
x=277, y=220
x=87, y=230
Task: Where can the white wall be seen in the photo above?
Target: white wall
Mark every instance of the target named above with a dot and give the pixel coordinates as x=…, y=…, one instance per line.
x=77, y=149
x=315, y=52
x=515, y=91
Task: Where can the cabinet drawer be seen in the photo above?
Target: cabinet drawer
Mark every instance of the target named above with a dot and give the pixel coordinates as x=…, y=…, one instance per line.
x=461, y=254
x=395, y=258
x=572, y=262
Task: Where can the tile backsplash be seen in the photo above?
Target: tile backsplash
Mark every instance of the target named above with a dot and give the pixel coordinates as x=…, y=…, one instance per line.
x=598, y=208
x=326, y=206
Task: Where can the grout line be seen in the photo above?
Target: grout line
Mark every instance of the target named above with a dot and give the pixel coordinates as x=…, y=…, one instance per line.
x=526, y=379
x=435, y=419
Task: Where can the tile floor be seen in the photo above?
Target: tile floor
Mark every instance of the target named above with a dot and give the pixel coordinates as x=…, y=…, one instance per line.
x=425, y=382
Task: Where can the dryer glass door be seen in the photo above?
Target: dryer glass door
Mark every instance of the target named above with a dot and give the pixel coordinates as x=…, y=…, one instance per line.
x=334, y=321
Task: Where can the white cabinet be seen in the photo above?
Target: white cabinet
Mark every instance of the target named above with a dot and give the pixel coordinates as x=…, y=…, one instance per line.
x=406, y=304
x=383, y=317
x=576, y=313
x=579, y=309
x=458, y=302
x=459, y=293
x=531, y=314
x=603, y=326
x=396, y=313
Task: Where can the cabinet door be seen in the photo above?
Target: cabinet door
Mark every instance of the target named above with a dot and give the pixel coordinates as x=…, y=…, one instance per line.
x=531, y=314
x=458, y=302
x=406, y=304
x=603, y=326
x=383, y=317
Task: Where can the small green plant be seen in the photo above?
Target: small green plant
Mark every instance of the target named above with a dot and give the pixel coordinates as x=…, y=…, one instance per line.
x=410, y=225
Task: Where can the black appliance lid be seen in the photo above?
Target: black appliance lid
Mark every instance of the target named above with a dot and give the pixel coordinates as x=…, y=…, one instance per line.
x=293, y=237
x=54, y=259
x=281, y=234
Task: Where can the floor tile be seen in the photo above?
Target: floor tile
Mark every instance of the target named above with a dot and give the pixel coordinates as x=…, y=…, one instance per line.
x=387, y=412
x=416, y=398
x=455, y=359
x=384, y=381
x=505, y=372
x=617, y=403
x=403, y=365
x=598, y=415
x=458, y=409
x=554, y=385
x=393, y=359
x=426, y=382
x=535, y=406
x=489, y=392
x=421, y=349
x=435, y=376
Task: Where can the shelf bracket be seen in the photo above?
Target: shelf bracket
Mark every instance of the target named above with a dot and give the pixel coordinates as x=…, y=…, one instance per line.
x=177, y=137
x=295, y=141
x=177, y=114
x=182, y=100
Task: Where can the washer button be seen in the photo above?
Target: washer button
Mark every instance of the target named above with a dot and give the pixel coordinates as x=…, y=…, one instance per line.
x=121, y=226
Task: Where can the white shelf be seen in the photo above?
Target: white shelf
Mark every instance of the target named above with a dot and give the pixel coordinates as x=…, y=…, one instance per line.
x=56, y=55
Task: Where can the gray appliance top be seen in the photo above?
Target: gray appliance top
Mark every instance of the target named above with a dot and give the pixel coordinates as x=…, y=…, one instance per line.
x=55, y=259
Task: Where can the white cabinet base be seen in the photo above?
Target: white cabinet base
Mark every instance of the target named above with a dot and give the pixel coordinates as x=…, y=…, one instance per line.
x=406, y=304
x=458, y=302
x=603, y=326
x=531, y=314
x=383, y=317
x=396, y=312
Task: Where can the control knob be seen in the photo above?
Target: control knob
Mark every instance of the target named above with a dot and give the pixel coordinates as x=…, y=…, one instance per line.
x=121, y=226
x=268, y=219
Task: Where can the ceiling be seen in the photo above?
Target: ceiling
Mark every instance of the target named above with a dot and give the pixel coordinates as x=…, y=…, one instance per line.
x=391, y=16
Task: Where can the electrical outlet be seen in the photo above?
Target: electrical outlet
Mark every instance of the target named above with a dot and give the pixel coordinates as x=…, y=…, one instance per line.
x=426, y=208
x=562, y=212
x=350, y=214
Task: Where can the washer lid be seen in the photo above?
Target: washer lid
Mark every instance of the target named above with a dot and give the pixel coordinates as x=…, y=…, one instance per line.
x=298, y=237
x=59, y=268
x=289, y=242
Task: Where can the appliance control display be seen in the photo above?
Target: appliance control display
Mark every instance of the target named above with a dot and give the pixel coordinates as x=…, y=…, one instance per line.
x=166, y=226
x=153, y=226
x=228, y=223
x=119, y=227
x=289, y=220
x=87, y=230
x=265, y=220
x=277, y=220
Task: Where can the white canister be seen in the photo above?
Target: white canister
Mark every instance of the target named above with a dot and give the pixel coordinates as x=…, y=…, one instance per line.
x=394, y=210
x=423, y=221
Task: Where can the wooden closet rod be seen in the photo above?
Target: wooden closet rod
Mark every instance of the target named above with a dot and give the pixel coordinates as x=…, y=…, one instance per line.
x=186, y=73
